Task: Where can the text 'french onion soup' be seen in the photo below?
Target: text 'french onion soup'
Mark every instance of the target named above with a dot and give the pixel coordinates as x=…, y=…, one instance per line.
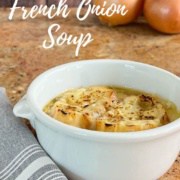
x=111, y=109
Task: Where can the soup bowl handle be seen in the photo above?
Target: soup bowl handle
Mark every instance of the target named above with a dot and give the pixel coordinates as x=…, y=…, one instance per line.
x=22, y=109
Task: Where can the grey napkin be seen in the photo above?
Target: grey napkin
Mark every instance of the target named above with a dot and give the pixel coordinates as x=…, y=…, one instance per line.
x=21, y=157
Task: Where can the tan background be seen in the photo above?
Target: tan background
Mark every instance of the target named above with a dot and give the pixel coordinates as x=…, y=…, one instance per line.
x=6, y=3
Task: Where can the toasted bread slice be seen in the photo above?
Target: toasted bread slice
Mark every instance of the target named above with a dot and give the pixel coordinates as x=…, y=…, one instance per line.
x=100, y=108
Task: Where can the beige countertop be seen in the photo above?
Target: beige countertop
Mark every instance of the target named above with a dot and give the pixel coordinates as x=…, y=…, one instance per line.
x=22, y=56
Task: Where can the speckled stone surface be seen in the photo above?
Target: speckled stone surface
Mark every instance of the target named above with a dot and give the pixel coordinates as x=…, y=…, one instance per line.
x=22, y=57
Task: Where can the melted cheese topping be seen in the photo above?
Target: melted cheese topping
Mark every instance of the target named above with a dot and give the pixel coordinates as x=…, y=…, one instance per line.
x=103, y=109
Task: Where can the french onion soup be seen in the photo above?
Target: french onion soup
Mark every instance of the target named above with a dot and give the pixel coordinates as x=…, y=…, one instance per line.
x=111, y=109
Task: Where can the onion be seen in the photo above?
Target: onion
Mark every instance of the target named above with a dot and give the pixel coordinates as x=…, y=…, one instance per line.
x=134, y=8
x=163, y=15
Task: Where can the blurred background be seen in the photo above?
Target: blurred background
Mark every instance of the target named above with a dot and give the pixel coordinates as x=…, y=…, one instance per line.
x=8, y=3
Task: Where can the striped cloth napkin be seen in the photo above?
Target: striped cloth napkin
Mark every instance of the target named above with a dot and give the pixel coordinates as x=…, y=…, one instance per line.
x=21, y=157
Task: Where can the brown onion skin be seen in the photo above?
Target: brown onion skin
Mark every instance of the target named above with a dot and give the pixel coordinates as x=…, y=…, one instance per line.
x=134, y=7
x=163, y=15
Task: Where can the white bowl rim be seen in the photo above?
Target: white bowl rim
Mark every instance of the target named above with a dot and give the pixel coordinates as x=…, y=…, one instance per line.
x=96, y=135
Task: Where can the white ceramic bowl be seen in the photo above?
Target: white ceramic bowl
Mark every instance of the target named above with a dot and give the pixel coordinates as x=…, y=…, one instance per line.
x=91, y=155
